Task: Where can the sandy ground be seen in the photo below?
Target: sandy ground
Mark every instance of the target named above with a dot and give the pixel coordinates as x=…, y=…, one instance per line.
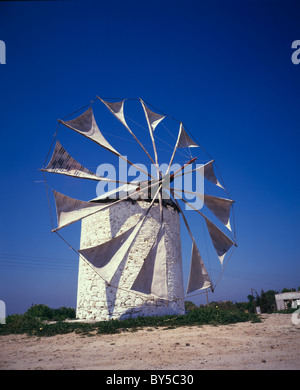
x=273, y=344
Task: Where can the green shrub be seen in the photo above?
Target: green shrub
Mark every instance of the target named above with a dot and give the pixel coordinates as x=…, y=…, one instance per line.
x=20, y=323
x=40, y=311
x=63, y=313
x=189, y=306
x=33, y=321
x=46, y=313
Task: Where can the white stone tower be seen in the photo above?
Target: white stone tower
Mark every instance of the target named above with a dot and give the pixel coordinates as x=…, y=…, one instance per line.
x=97, y=301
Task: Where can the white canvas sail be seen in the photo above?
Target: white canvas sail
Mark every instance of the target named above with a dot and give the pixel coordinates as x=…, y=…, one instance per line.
x=61, y=162
x=153, y=119
x=86, y=125
x=117, y=109
x=121, y=192
x=220, y=207
x=106, y=258
x=70, y=210
x=184, y=141
x=221, y=242
x=207, y=170
x=198, y=278
x=152, y=278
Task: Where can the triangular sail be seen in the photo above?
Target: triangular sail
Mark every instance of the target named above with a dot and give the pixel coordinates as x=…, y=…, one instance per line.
x=106, y=258
x=153, y=119
x=86, y=125
x=207, y=170
x=220, y=241
x=117, y=109
x=151, y=129
x=184, y=141
x=70, y=210
x=198, y=278
x=120, y=192
x=220, y=207
x=152, y=122
x=152, y=278
x=61, y=162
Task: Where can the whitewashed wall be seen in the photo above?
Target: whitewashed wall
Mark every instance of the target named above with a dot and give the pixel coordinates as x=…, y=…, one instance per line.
x=94, y=300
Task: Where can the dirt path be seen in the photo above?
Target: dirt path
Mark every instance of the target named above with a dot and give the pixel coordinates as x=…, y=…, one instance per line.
x=273, y=344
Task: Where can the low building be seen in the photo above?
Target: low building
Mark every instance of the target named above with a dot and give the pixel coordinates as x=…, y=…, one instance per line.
x=288, y=300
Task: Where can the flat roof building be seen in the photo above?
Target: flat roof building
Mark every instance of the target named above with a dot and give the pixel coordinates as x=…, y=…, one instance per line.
x=288, y=300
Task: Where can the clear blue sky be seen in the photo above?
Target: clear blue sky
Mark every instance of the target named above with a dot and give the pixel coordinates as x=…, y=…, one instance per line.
x=223, y=68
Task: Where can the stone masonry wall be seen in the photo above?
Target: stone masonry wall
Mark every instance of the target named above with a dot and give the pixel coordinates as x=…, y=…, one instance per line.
x=94, y=300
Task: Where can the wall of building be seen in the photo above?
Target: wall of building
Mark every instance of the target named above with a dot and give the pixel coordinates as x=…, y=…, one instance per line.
x=94, y=300
x=282, y=300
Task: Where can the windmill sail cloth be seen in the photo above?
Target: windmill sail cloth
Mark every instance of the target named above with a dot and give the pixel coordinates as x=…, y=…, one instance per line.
x=107, y=257
x=152, y=278
x=220, y=241
x=117, y=109
x=86, y=125
x=121, y=192
x=207, y=170
x=198, y=278
x=70, y=210
x=61, y=162
x=153, y=119
x=184, y=141
x=220, y=207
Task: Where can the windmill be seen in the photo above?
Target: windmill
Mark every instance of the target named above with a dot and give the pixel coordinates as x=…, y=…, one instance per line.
x=130, y=260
